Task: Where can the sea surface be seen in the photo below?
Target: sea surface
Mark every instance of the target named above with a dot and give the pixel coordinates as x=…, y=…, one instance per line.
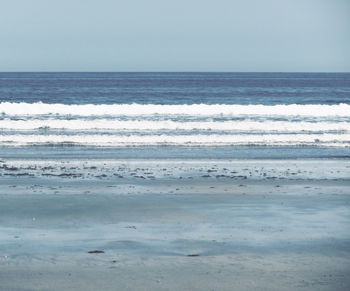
x=175, y=115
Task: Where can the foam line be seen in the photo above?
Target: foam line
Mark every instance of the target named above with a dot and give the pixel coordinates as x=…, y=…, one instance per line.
x=184, y=140
x=39, y=108
x=168, y=125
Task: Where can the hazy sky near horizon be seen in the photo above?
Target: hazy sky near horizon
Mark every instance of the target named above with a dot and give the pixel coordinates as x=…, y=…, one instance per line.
x=181, y=35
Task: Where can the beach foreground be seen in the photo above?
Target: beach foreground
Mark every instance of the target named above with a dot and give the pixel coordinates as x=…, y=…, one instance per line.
x=174, y=225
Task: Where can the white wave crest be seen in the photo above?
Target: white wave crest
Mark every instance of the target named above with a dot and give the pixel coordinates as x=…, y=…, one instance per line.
x=179, y=140
x=39, y=108
x=169, y=125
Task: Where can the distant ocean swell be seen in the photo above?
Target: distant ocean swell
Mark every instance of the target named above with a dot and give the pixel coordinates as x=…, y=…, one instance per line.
x=120, y=125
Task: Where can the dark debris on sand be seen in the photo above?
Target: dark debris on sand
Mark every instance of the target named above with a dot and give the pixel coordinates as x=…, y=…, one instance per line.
x=96, y=252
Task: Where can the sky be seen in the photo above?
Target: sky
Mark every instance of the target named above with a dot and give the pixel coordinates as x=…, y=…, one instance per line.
x=175, y=35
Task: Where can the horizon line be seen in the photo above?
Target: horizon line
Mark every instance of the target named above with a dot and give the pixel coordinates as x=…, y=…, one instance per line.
x=169, y=72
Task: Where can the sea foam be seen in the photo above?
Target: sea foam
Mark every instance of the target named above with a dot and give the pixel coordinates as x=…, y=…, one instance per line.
x=121, y=125
x=8, y=108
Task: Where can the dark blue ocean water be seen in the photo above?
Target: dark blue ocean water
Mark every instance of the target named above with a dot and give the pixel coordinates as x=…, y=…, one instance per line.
x=176, y=88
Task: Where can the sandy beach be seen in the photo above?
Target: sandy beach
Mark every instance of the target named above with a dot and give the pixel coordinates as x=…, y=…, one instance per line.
x=174, y=224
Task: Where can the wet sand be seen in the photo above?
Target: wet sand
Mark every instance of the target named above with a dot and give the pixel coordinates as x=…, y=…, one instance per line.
x=174, y=225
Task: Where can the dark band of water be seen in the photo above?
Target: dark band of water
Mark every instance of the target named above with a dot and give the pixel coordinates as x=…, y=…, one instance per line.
x=176, y=88
x=168, y=152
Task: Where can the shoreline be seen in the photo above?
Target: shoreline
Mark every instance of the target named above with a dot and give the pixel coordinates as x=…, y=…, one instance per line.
x=163, y=232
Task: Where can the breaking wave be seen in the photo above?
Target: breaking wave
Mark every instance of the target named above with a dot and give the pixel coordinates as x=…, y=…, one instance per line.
x=119, y=125
x=39, y=108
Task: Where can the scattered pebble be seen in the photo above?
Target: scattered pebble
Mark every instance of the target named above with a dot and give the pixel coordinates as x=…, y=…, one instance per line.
x=96, y=252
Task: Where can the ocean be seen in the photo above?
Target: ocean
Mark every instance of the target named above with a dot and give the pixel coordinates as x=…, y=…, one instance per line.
x=175, y=115
x=127, y=181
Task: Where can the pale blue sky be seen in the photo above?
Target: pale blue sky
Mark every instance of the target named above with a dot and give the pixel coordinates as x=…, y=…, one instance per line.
x=177, y=35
